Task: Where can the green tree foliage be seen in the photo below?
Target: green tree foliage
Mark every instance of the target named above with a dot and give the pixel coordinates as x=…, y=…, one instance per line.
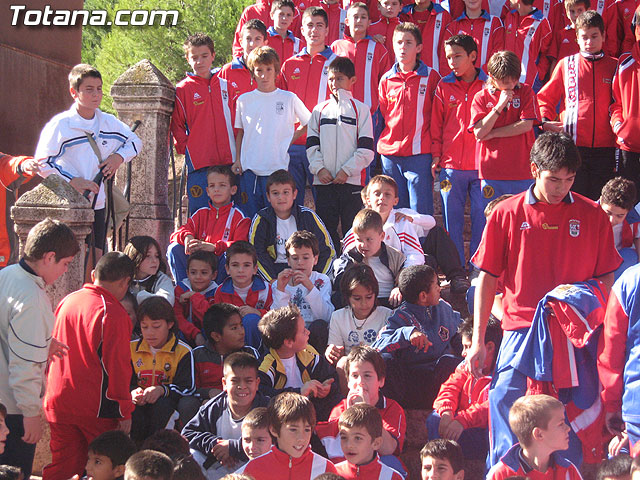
x=114, y=49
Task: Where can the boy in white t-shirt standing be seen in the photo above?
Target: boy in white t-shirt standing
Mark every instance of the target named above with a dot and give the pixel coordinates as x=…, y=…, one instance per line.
x=265, y=120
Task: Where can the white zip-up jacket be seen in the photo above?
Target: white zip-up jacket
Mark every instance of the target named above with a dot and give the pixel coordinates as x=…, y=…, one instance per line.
x=340, y=137
x=64, y=149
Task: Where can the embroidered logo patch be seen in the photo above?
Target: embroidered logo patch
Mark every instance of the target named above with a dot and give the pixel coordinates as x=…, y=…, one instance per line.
x=574, y=227
x=139, y=363
x=488, y=191
x=445, y=185
x=280, y=108
x=370, y=335
x=525, y=226
x=319, y=283
x=516, y=102
x=195, y=191
x=167, y=367
x=353, y=337
x=443, y=333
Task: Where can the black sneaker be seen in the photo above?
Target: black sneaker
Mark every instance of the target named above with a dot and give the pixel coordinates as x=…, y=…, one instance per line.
x=459, y=285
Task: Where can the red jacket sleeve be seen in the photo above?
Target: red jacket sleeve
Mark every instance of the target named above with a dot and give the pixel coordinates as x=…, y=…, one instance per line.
x=117, y=359
x=552, y=93
x=437, y=122
x=195, y=226
x=394, y=421
x=178, y=123
x=199, y=306
x=241, y=232
x=611, y=357
x=448, y=397
x=476, y=416
x=186, y=327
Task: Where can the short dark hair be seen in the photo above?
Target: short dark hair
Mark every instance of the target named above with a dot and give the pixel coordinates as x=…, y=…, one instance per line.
x=137, y=248
x=415, y=279
x=223, y=170
x=504, y=64
x=114, y=266
x=256, y=419
x=263, y=55
x=316, y=12
x=360, y=5
x=10, y=472
x=198, y=40
x=466, y=42
x=149, y=465
x=278, y=4
x=365, y=353
x=302, y=238
x=186, y=468
x=412, y=28
x=114, y=444
x=573, y=3
x=444, y=450
x=493, y=332
x=362, y=415
x=50, y=236
x=81, y=71
x=619, y=192
x=613, y=467
x=358, y=274
x=290, y=407
x=204, y=256
x=167, y=441
x=367, y=219
x=156, y=307
x=282, y=177
x=344, y=66
x=279, y=325
x=242, y=246
x=329, y=476
x=554, y=151
x=255, y=24
x=589, y=19
x=217, y=316
x=240, y=360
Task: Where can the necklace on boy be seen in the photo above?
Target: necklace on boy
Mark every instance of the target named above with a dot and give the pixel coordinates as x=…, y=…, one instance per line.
x=353, y=317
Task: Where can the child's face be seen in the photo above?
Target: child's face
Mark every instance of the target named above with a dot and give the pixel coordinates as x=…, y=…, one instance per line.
x=590, y=40
x=282, y=18
x=489, y=357
x=314, y=30
x=89, y=94
x=338, y=80
x=100, y=467
x=200, y=59
x=200, y=275
x=281, y=197
x=301, y=338
x=251, y=39
x=219, y=189
x=4, y=432
x=433, y=294
x=53, y=269
x=556, y=436
x=293, y=437
x=255, y=441
x=150, y=264
x=155, y=332
x=241, y=385
x=381, y=197
x=358, y=21
x=232, y=338
x=368, y=242
x=241, y=269
x=362, y=301
x=389, y=8
x=406, y=48
x=505, y=83
x=265, y=75
x=357, y=445
x=552, y=186
x=363, y=377
x=616, y=214
x=574, y=11
x=439, y=469
x=460, y=62
x=473, y=5
x=302, y=259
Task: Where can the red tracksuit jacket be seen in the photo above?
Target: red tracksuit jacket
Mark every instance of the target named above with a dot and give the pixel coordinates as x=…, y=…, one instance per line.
x=486, y=30
x=385, y=27
x=374, y=470
x=285, y=47
x=191, y=313
x=202, y=121
x=221, y=226
x=259, y=296
x=278, y=465
x=238, y=77
x=625, y=110
x=11, y=177
x=450, y=117
x=337, y=17
x=582, y=86
x=405, y=104
x=371, y=60
x=92, y=380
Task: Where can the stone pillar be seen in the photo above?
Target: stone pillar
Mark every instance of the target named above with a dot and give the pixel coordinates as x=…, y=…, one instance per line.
x=144, y=93
x=57, y=199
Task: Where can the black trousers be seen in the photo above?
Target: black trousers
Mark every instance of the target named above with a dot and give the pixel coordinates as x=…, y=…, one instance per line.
x=630, y=168
x=439, y=246
x=17, y=452
x=598, y=167
x=338, y=203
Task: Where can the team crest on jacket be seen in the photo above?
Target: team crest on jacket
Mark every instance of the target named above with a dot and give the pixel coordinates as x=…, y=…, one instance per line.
x=574, y=227
x=369, y=56
x=259, y=304
x=516, y=102
x=167, y=367
x=319, y=283
x=443, y=333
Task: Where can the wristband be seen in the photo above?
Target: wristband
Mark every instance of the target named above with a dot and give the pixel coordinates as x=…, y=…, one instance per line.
x=496, y=111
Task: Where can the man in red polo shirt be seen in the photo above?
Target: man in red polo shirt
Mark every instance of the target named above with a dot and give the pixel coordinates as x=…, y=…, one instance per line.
x=538, y=239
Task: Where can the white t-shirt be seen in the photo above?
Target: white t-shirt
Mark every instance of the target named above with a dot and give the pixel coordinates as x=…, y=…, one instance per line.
x=346, y=330
x=383, y=275
x=268, y=121
x=314, y=304
x=294, y=380
x=617, y=235
x=227, y=427
x=284, y=229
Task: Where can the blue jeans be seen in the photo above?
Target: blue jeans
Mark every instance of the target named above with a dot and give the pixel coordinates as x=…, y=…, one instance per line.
x=253, y=192
x=454, y=187
x=299, y=170
x=492, y=189
x=415, y=183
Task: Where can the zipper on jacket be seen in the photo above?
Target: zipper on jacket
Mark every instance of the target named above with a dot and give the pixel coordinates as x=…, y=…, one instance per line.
x=153, y=378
